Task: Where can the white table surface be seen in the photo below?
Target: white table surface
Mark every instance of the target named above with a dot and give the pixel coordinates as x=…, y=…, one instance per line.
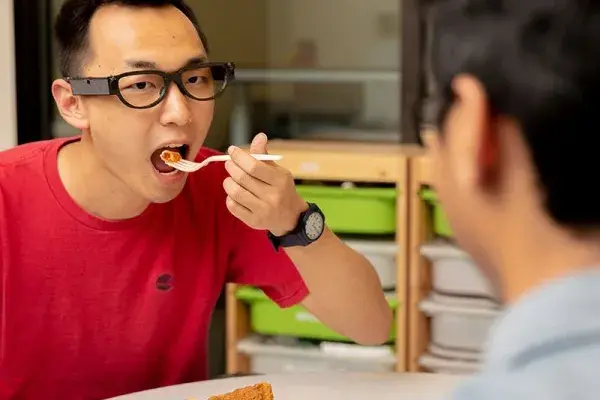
x=315, y=386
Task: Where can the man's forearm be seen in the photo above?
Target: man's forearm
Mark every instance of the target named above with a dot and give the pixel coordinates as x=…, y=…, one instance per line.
x=345, y=290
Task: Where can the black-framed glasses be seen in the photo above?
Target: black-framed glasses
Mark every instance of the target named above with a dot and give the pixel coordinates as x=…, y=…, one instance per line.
x=145, y=89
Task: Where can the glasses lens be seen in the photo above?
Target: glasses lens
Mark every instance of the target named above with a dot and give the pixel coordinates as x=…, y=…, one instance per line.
x=141, y=90
x=204, y=83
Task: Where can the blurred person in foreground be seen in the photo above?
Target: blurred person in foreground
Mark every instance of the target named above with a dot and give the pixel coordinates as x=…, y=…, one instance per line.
x=516, y=158
x=111, y=262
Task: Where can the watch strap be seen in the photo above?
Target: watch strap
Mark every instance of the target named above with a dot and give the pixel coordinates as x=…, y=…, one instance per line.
x=296, y=237
x=288, y=240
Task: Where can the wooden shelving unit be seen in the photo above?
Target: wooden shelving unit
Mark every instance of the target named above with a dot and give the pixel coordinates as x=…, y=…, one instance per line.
x=338, y=161
x=419, y=268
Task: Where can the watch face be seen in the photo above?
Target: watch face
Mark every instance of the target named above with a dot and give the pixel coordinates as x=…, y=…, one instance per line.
x=314, y=226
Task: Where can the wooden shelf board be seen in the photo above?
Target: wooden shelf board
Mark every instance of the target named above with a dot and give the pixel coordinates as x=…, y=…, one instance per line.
x=340, y=161
x=419, y=268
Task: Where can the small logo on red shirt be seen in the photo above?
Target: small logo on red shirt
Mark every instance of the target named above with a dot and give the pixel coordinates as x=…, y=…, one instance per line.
x=164, y=282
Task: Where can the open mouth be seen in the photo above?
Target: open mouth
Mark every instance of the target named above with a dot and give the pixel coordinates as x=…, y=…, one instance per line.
x=160, y=165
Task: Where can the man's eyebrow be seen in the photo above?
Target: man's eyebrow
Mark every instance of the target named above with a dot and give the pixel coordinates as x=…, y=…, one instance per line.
x=144, y=64
x=196, y=60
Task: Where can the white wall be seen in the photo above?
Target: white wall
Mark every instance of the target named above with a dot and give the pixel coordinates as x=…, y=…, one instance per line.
x=8, y=107
x=348, y=34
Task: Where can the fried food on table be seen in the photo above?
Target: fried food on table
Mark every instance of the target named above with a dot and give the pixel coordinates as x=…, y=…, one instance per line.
x=260, y=391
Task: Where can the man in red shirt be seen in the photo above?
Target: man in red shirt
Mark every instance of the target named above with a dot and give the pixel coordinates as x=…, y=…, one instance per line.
x=111, y=262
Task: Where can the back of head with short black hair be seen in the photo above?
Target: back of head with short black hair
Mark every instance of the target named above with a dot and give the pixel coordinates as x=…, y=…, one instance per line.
x=73, y=21
x=539, y=62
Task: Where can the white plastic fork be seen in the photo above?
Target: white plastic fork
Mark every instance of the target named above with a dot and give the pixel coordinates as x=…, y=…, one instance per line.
x=191, y=166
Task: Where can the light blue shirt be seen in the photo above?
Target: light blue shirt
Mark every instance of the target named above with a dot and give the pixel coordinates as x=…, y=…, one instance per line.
x=546, y=347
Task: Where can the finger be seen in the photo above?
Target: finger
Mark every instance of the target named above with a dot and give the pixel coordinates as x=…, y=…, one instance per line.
x=241, y=195
x=239, y=211
x=245, y=180
x=258, y=169
x=259, y=146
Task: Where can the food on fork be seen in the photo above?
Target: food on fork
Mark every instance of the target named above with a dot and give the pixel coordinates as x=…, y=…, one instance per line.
x=170, y=156
x=260, y=391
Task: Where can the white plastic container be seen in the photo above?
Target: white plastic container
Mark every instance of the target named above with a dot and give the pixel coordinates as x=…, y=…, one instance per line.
x=382, y=254
x=460, y=323
x=454, y=272
x=441, y=365
x=267, y=357
x=449, y=354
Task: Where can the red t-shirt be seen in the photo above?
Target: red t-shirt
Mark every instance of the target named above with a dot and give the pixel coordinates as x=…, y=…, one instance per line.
x=91, y=309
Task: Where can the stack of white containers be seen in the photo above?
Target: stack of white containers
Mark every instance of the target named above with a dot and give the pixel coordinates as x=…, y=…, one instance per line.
x=382, y=255
x=462, y=307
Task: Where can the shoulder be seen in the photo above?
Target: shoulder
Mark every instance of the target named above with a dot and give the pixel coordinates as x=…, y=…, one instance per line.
x=23, y=169
x=22, y=172
x=26, y=154
x=24, y=165
x=556, y=378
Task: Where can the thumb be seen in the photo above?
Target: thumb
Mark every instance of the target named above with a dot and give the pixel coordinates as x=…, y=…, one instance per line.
x=259, y=144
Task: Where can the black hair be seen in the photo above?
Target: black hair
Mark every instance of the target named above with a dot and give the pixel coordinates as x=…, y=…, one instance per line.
x=539, y=62
x=73, y=21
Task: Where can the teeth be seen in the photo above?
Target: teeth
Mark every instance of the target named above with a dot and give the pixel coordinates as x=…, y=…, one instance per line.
x=174, y=146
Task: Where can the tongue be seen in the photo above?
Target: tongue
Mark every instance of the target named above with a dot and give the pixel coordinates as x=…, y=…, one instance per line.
x=158, y=163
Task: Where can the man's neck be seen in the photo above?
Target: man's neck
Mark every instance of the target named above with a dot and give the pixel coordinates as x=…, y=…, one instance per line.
x=542, y=253
x=93, y=187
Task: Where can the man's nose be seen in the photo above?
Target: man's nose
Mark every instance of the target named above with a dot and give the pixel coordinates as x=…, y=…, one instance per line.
x=176, y=109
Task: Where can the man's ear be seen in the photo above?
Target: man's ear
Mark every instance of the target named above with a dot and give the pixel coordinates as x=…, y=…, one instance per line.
x=483, y=129
x=70, y=107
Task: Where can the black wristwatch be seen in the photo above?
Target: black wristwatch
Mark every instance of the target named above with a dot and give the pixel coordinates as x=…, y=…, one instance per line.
x=310, y=227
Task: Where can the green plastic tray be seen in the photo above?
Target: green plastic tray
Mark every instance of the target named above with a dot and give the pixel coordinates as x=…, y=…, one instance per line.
x=267, y=318
x=354, y=210
x=441, y=226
